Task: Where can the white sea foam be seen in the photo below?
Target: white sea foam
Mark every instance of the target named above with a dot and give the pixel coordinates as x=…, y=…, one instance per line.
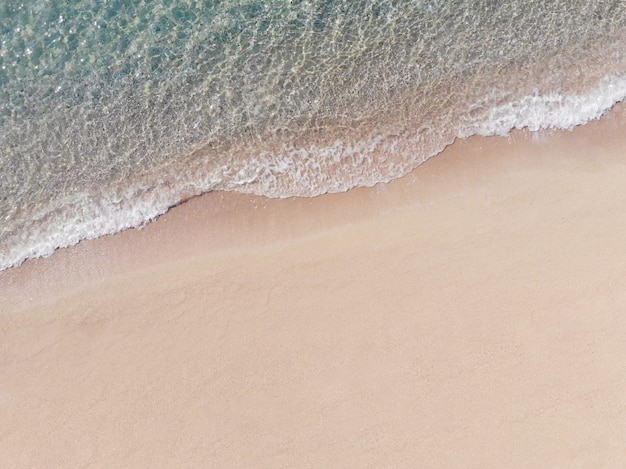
x=89, y=217
x=552, y=111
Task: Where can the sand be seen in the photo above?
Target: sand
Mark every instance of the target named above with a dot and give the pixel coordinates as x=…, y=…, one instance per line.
x=471, y=314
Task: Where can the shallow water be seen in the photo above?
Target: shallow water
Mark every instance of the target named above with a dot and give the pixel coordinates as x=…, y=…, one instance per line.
x=113, y=111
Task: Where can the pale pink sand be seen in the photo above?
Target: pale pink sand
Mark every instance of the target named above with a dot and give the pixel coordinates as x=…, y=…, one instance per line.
x=472, y=314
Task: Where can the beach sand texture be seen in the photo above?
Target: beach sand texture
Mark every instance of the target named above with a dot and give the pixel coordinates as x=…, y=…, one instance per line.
x=470, y=314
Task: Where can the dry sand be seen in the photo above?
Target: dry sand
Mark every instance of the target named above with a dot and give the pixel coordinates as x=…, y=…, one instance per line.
x=471, y=314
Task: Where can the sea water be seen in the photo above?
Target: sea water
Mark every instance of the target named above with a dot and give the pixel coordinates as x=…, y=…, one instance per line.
x=112, y=111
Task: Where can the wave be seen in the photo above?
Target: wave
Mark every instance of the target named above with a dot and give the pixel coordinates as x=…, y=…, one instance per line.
x=552, y=111
x=297, y=168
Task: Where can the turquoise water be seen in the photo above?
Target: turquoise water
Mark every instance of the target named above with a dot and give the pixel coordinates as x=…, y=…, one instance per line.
x=112, y=111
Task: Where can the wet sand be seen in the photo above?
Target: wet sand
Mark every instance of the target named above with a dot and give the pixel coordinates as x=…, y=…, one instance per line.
x=470, y=314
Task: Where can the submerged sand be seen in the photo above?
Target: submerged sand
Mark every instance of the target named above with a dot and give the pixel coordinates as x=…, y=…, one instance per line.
x=470, y=314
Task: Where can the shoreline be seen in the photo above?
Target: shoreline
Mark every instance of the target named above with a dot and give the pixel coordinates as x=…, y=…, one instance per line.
x=221, y=220
x=468, y=314
x=321, y=162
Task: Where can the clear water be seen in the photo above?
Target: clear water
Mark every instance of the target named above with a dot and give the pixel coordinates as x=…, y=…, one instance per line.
x=111, y=111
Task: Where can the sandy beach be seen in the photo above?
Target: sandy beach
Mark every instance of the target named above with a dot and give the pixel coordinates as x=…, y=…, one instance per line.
x=470, y=314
